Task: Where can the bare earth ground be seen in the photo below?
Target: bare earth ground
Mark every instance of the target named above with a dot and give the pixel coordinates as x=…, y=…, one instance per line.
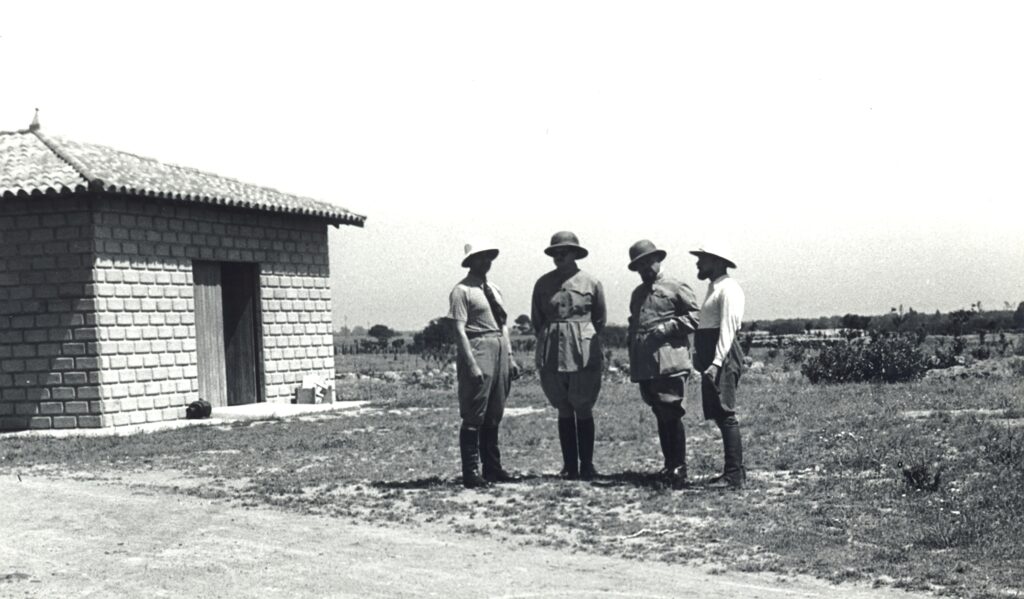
x=134, y=538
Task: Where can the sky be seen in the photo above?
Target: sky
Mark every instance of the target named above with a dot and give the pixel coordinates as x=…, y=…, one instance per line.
x=855, y=156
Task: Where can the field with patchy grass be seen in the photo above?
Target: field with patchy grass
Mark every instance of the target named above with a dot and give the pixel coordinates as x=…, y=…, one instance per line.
x=827, y=494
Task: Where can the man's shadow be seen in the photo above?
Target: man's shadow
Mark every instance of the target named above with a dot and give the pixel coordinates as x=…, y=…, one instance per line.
x=628, y=478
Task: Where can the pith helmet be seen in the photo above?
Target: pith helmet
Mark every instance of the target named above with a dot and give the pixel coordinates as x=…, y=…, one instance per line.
x=566, y=239
x=479, y=247
x=717, y=249
x=642, y=249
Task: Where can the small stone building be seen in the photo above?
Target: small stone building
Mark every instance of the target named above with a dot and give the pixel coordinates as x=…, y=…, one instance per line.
x=130, y=288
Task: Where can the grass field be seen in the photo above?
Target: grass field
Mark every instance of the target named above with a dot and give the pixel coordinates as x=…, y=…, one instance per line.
x=826, y=494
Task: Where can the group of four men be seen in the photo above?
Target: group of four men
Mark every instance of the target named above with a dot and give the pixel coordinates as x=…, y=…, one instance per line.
x=568, y=313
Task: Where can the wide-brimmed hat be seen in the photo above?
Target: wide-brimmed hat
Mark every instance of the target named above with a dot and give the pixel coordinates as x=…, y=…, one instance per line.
x=718, y=249
x=566, y=239
x=642, y=249
x=479, y=246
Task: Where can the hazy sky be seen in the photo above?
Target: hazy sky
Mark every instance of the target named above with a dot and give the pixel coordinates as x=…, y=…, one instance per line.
x=856, y=155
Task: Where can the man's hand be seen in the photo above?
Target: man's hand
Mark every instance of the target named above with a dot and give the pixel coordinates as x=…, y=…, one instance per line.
x=476, y=374
x=513, y=370
x=712, y=373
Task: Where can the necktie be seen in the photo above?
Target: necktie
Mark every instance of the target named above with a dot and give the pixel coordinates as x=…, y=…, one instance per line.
x=497, y=311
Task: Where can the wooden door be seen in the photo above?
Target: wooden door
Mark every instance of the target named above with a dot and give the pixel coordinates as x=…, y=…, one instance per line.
x=240, y=285
x=209, y=306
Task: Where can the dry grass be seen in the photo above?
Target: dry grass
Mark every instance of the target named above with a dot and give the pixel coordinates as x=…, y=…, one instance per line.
x=826, y=495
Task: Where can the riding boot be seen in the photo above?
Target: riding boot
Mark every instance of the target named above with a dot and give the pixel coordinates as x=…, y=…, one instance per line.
x=570, y=455
x=676, y=435
x=666, y=449
x=585, y=428
x=734, y=474
x=491, y=456
x=469, y=448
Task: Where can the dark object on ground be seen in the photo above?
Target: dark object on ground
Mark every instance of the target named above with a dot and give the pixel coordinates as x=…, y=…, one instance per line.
x=198, y=409
x=921, y=477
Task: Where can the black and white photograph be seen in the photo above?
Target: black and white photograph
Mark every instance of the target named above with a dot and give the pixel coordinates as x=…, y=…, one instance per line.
x=511, y=299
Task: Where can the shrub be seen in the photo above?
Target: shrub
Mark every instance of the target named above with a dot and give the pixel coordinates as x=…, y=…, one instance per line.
x=795, y=354
x=887, y=359
x=982, y=352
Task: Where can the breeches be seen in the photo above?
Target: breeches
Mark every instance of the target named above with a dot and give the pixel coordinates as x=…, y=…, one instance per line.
x=718, y=398
x=572, y=392
x=483, y=403
x=665, y=396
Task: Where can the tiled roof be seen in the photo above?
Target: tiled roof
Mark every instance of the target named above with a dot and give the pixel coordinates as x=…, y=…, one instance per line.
x=32, y=163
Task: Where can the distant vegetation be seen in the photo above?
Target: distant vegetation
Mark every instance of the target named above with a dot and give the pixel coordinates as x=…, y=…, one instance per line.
x=957, y=322
x=851, y=348
x=436, y=336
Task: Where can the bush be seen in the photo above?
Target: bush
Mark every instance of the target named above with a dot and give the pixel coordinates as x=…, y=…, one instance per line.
x=982, y=352
x=888, y=359
x=795, y=355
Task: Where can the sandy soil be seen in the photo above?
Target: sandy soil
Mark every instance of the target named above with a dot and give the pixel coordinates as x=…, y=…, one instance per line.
x=119, y=538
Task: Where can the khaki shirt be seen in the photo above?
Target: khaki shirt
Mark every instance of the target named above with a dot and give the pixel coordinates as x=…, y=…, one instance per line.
x=467, y=303
x=670, y=304
x=568, y=312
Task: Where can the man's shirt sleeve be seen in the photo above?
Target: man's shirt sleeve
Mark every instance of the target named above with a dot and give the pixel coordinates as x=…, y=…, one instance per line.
x=457, y=308
x=687, y=310
x=598, y=311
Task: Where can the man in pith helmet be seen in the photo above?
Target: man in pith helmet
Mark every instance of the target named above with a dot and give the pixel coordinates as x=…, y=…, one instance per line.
x=662, y=314
x=568, y=313
x=485, y=367
x=719, y=357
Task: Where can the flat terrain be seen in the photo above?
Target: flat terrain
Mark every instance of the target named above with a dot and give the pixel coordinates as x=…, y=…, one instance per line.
x=366, y=498
x=119, y=538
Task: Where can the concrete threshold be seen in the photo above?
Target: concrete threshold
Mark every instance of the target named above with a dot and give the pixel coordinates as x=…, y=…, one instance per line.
x=219, y=416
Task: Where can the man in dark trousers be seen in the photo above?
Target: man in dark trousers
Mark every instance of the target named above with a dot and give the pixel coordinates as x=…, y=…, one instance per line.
x=662, y=314
x=485, y=366
x=719, y=357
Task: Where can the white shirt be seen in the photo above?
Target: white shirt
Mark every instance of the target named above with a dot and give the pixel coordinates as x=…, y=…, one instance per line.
x=723, y=310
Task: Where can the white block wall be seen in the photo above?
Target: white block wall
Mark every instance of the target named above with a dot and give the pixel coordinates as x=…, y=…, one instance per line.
x=114, y=344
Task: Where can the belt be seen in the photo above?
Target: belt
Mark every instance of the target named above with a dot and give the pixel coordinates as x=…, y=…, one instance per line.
x=475, y=334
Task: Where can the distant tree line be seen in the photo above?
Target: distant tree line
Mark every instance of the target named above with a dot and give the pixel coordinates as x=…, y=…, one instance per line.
x=958, y=322
x=437, y=339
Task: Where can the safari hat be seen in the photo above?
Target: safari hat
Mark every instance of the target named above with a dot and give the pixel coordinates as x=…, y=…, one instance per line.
x=566, y=239
x=642, y=249
x=717, y=249
x=478, y=246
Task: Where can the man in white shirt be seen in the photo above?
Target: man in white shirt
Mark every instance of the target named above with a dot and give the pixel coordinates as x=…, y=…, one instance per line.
x=719, y=357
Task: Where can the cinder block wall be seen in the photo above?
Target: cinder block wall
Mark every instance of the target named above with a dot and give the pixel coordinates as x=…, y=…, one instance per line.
x=49, y=371
x=97, y=317
x=146, y=312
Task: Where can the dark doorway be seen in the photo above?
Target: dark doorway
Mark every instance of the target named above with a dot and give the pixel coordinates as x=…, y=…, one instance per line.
x=228, y=332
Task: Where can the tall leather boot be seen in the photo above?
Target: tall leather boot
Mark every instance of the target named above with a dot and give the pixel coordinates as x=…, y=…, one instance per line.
x=491, y=456
x=585, y=429
x=666, y=448
x=469, y=448
x=676, y=434
x=570, y=453
x=734, y=474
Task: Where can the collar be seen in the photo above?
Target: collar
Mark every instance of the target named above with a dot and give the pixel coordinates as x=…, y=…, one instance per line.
x=475, y=279
x=714, y=284
x=657, y=279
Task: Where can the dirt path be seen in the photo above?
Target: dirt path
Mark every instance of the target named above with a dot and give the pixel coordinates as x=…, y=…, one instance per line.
x=66, y=538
